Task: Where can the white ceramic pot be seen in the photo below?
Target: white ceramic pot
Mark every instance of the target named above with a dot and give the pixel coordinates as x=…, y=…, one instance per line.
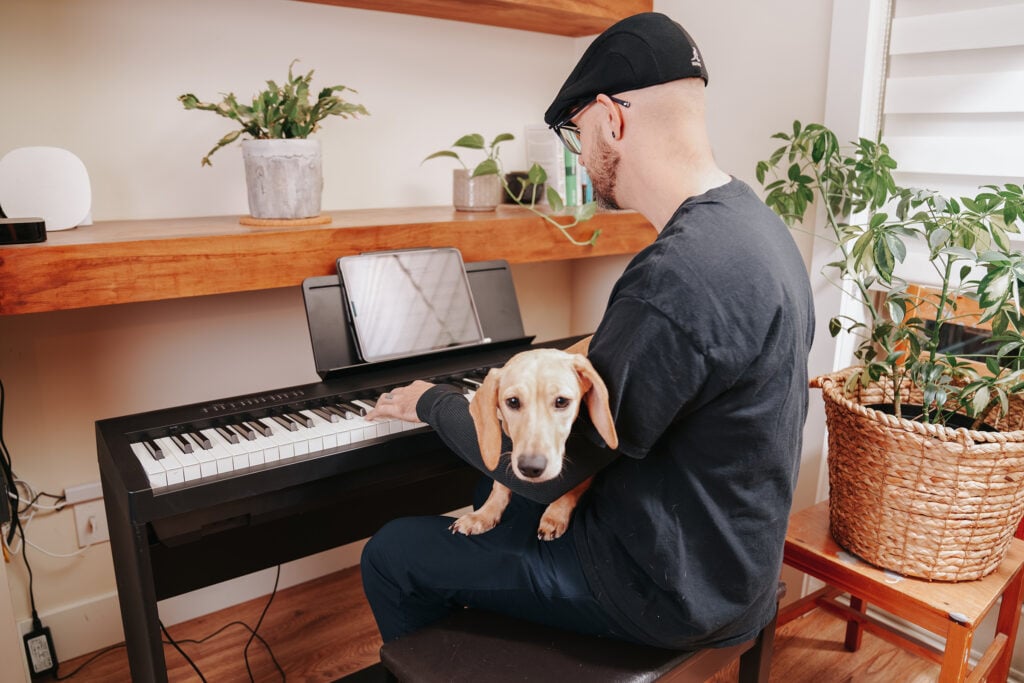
x=284, y=178
x=482, y=193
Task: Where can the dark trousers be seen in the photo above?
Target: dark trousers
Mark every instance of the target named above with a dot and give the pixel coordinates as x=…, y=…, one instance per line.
x=416, y=571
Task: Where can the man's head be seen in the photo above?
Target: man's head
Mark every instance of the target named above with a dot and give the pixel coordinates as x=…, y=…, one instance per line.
x=639, y=51
x=618, y=75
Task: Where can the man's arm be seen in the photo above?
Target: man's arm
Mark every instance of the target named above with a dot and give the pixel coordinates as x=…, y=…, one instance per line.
x=447, y=411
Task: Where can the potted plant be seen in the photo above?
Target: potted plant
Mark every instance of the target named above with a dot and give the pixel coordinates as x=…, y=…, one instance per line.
x=926, y=452
x=282, y=163
x=483, y=187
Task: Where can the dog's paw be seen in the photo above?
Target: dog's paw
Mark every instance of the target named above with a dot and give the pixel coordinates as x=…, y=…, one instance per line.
x=552, y=526
x=474, y=523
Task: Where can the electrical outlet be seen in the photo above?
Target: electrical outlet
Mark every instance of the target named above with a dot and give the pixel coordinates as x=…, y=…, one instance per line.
x=91, y=522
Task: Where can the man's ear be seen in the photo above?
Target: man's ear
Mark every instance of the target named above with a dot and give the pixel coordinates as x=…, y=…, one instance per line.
x=484, y=410
x=613, y=120
x=596, y=399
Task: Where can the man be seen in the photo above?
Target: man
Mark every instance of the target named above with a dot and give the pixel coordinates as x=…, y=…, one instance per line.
x=703, y=346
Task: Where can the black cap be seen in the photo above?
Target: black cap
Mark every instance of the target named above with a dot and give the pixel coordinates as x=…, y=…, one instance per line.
x=637, y=52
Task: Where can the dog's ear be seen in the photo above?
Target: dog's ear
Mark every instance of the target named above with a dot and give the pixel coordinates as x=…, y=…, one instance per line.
x=596, y=398
x=484, y=409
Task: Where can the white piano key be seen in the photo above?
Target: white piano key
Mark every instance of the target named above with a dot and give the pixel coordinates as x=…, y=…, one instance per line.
x=154, y=472
x=314, y=435
x=189, y=464
x=326, y=429
x=280, y=436
x=220, y=449
x=207, y=462
x=173, y=468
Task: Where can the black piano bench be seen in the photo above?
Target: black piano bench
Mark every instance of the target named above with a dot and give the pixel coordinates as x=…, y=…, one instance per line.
x=472, y=646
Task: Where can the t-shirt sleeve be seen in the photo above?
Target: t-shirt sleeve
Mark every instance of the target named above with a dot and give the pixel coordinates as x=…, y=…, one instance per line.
x=447, y=411
x=653, y=370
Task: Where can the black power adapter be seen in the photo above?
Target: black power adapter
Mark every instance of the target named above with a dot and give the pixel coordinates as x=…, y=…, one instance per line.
x=42, y=658
x=22, y=230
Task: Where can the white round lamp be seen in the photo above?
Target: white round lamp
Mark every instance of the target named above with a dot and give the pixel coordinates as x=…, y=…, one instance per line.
x=48, y=182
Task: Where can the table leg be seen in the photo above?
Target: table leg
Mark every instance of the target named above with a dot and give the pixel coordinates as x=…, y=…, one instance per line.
x=1007, y=623
x=958, y=650
x=854, y=632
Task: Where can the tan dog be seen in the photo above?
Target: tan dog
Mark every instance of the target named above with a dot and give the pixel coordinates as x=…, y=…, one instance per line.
x=534, y=399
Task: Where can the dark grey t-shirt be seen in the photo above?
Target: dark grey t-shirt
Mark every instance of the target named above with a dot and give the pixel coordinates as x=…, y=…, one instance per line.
x=704, y=350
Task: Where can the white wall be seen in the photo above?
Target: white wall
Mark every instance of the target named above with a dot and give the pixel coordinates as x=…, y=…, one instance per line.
x=101, y=77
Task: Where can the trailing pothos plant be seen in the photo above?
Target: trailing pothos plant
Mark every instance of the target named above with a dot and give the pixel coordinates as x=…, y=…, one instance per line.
x=872, y=222
x=536, y=176
x=278, y=111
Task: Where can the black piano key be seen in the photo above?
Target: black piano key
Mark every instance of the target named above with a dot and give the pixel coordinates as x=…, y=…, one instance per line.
x=200, y=440
x=362, y=405
x=466, y=385
x=260, y=427
x=153, y=449
x=340, y=412
x=300, y=418
x=352, y=408
x=245, y=432
x=285, y=422
x=182, y=443
x=228, y=435
x=325, y=414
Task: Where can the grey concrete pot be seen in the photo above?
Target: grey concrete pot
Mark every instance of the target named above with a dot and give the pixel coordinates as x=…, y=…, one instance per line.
x=284, y=178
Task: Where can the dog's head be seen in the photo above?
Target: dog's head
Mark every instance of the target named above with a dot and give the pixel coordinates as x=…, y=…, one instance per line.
x=535, y=398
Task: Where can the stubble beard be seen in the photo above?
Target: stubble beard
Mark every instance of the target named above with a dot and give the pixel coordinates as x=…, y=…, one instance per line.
x=603, y=173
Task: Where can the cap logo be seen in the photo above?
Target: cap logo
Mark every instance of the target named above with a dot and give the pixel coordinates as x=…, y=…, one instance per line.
x=695, y=60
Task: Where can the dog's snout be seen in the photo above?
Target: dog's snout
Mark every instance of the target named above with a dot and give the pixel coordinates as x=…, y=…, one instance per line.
x=533, y=465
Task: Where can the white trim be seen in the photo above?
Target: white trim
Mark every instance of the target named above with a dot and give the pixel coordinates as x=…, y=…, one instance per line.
x=853, y=95
x=967, y=29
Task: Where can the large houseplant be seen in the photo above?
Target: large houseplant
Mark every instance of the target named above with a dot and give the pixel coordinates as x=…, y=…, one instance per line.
x=913, y=487
x=482, y=187
x=282, y=163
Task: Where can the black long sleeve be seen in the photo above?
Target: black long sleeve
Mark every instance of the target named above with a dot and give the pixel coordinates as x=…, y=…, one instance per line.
x=447, y=411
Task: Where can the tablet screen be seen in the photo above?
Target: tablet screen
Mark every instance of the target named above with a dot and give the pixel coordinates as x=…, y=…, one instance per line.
x=406, y=303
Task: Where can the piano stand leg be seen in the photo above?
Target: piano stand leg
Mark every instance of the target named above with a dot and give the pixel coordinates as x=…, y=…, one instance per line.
x=136, y=592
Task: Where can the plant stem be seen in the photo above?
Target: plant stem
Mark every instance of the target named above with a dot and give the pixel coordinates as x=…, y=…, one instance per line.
x=548, y=217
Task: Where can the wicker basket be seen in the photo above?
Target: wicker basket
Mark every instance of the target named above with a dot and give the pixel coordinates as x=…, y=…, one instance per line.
x=922, y=500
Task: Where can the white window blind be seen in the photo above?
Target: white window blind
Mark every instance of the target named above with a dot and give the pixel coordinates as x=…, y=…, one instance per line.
x=953, y=108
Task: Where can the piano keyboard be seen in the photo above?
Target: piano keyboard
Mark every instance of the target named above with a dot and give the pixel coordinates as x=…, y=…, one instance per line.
x=192, y=455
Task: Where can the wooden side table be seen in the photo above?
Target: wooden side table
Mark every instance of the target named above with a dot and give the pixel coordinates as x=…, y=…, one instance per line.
x=950, y=610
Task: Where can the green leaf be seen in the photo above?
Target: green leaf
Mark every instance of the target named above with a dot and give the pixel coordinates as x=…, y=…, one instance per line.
x=537, y=174
x=586, y=211
x=473, y=141
x=835, y=326
x=555, y=200
x=442, y=153
x=503, y=137
x=485, y=167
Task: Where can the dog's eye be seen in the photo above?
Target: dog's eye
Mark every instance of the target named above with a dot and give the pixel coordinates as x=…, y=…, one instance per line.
x=561, y=402
x=512, y=402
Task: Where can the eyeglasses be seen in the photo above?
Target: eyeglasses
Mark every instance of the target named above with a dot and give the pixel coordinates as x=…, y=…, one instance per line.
x=569, y=133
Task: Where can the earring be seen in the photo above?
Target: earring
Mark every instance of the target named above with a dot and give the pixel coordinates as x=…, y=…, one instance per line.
x=613, y=135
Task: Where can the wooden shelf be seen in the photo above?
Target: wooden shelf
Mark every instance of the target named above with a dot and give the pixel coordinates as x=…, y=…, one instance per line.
x=561, y=17
x=126, y=261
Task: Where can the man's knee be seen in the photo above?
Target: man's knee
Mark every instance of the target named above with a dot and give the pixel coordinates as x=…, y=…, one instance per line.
x=384, y=546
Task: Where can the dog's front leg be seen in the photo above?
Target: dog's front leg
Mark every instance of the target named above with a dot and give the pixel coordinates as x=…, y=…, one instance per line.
x=488, y=516
x=555, y=520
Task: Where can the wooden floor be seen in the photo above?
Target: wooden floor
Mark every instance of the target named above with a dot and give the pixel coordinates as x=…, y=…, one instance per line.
x=323, y=630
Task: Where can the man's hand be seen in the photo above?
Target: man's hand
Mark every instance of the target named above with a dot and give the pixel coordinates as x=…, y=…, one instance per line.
x=400, y=403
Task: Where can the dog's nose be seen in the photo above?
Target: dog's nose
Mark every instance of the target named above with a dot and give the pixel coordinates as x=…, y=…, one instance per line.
x=532, y=465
